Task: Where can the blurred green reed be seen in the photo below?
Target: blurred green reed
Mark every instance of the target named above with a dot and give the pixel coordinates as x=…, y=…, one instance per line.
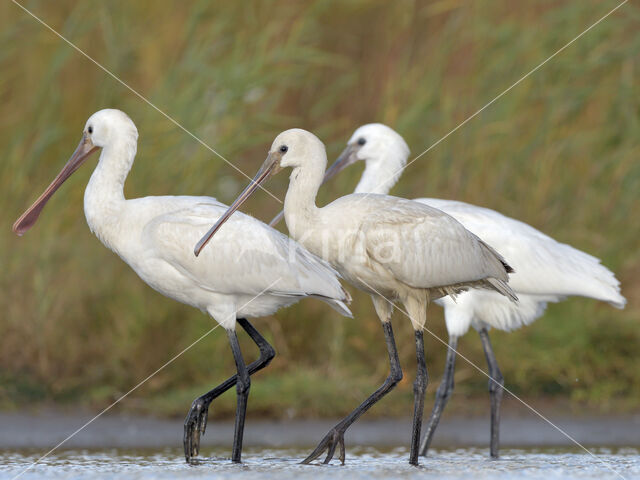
x=560, y=151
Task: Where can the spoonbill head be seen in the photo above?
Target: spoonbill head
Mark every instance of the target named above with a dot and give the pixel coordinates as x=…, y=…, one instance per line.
x=392, y=248
x=384, y=152
x=253, y=271
x=546, y=270
x=293, y=148
x=381, y=148
x=110, y=127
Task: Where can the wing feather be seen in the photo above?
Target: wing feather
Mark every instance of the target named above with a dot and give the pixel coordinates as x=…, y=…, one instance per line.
x=424, y=247
x=542, y=265
x=245, y=257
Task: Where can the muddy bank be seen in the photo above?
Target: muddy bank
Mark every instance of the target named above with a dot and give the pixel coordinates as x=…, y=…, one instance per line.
x=45, y=429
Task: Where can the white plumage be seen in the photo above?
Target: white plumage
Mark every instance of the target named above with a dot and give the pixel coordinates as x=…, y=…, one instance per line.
x=384, y=244
x=545, y=270
x=250, y=259
x=153, y=234
x=252, y=271
x=392, y=248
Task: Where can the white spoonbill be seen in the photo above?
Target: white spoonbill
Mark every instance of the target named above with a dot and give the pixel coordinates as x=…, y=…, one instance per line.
x=392, y=248
x=252, y=271
x=546, y=270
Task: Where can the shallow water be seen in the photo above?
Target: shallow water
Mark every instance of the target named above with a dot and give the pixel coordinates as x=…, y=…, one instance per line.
x=361, y=463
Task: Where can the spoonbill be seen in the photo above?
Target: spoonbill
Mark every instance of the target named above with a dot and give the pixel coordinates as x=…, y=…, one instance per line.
x=392, y=248
x=546, y=270
x=253, y=271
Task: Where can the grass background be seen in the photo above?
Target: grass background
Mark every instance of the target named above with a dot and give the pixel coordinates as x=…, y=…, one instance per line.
x=560, y=151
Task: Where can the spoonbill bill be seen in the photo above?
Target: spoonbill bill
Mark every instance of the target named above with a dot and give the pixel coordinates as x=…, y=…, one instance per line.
x=545, y=270
x=252, y=271
x=392, y=248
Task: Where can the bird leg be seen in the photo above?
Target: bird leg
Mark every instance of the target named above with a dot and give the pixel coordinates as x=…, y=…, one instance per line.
x=496, y=382
x=196, y=421
x=419, y=388
x=442, y=395
x=243, y=384
x=335, y=436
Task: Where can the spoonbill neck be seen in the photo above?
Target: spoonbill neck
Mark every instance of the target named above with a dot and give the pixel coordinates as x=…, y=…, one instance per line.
x=380, y=175
x=300, y=208
x=104, y=195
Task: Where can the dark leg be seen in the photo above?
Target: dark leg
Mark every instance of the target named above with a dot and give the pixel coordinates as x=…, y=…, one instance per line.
x=496, y=382
x=442, y=395
x=196, y=421
x=419, y=387
x=243, y=383
x=335, y=436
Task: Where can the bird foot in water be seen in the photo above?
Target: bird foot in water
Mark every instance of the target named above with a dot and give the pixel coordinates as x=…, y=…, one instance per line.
x=334, y=438
x=194, y=426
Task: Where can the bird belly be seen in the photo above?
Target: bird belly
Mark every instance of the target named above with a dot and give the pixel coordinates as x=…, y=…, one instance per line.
x=251, y=306
x=223, y=306
x=170, y=282
x=488, y=309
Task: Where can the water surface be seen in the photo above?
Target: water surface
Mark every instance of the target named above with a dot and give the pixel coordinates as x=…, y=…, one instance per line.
x=362, y=463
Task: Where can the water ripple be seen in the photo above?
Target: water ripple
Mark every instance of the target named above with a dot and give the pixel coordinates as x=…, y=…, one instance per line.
x=362, y=463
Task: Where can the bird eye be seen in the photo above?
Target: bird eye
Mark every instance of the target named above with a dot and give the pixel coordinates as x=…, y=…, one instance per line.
x=90, y=129
x=361, y=141
x=284, y=149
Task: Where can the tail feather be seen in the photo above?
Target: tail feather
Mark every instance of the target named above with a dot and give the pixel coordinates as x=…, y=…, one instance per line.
x=338, y=305
x=506, y=266
x=498, y=281
x=497, y=259
x=502, y=287
x=618, y=302
x=609, y=285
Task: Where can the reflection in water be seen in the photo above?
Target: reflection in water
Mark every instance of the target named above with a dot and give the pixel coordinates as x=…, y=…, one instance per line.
x=361, y=463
